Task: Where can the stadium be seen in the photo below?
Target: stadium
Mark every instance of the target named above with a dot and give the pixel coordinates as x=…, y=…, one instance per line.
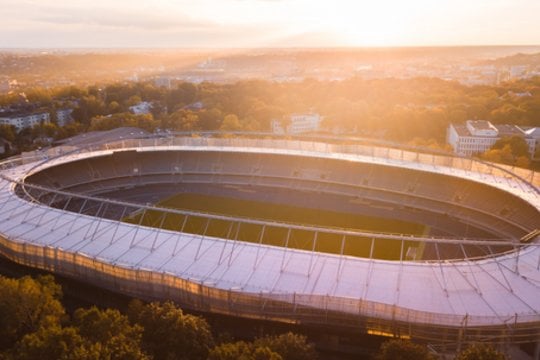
x=378, y=240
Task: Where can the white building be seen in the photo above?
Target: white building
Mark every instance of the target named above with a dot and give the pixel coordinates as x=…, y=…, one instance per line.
x=534, y=135
x=477, y=136
x=141, y=108
x=63, y=116
x=518, y=71
x=26, y=120
x=299, y=123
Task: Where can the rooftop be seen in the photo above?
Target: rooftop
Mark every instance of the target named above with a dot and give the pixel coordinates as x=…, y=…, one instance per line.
x=480, y=124
x=103, y=136
x=484, y=128
x=509, y=130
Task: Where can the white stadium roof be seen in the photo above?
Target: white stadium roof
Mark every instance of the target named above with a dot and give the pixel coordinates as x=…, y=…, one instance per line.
x=496, y=290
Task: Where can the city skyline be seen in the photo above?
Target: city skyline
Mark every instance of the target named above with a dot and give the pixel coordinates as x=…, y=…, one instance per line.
x=267, y=23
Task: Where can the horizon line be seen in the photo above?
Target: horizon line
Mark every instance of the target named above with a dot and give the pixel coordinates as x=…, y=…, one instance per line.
x=285, y=47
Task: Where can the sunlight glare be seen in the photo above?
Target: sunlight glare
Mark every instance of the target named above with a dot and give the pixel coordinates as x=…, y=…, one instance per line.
x=375, y=23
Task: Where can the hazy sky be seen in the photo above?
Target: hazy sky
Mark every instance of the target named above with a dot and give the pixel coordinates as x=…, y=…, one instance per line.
x=260, y=23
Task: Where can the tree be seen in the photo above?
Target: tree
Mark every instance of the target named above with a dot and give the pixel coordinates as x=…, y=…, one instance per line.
x=185, y=94
x=518, y=145
x=111, y=332
x=509, y=150
x=183, y=120
x=145, y=121
x=289, y=346
x=522, y=162
x=7, y=132
x=114, y=107
x=397, y=349
x=26, y=305
x=133, y=100
x=480, y=352
x=210, y=119
x=89, y=107
x=242, y=351
x=171, y=334
x=231, y=123
x=53, y=343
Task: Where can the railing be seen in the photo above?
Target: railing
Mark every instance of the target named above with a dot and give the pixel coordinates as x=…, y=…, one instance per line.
x=298, y=308
x=375, y=150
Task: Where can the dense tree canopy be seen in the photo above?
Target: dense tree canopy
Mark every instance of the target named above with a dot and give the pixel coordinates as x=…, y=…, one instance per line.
x=289, y=346
x=110, y=332
x=425, y=105
x=169, y=333
x=403, y=350
x=26, y=305
x=242, y=351
x=33, y=325
x=480, y=352
x=53, y=343
x=393, y=109
x=509, y=150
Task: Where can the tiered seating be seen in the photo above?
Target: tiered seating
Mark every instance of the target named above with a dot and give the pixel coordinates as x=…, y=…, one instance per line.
x=408, y=193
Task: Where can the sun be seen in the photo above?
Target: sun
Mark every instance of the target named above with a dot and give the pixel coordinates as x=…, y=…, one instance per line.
x=375, y=23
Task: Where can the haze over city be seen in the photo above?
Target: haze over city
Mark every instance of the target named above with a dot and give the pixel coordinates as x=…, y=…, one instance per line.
x=266, y=23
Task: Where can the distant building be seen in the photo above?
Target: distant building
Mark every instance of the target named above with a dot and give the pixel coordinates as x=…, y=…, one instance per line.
x=477, y=136
x=163, y=81
x=297, y=124
x=534, y=135
x=518, y=71
x=63, y=117
x=520, y=94
x=196, y=106
x=22, y=121
x=141, y=108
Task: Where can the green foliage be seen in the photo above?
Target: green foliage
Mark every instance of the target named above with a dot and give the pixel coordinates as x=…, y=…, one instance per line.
x=31, y=328
x=403, y=350
x=397, y=109
x=230, y=123
x=289, y=346
x=101, y=123
x=242, y=351
x=171, y=334
x=111, y=332
x=480, y=352
x=7, y=132
x=509, y=150
x=517, y=144
x=96, y=334
x=133, y=100
x=89, y=107
x=182, y=120
x=53, y=343
x=26, y=305
x=114, y=107
x=210, y=119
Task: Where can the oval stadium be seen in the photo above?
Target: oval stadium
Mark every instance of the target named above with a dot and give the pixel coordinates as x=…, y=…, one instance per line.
x=377, y=240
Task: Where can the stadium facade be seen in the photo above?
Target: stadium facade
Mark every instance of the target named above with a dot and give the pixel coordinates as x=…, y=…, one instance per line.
x=474, y=276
